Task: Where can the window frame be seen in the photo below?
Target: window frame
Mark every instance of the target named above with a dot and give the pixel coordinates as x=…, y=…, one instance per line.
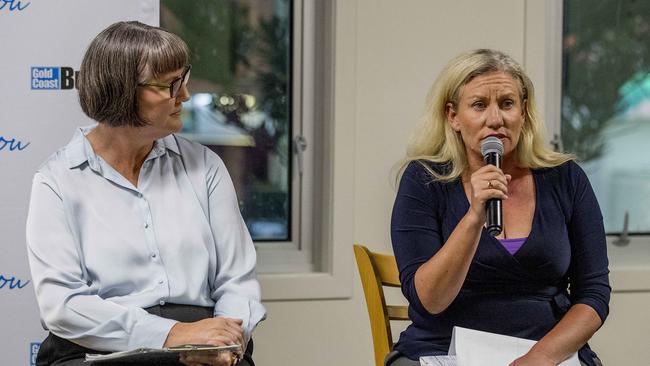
x=317, y=262
x=319, y=266
x=297, y=254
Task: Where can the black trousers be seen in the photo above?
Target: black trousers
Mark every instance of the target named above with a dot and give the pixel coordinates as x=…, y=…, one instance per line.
x=57, y=351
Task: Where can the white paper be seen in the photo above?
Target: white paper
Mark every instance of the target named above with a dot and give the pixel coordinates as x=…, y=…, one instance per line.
x=477, y=348
x=438, y=361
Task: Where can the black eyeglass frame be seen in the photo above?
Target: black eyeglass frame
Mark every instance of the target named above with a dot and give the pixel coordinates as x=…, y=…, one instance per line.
x=179, y=81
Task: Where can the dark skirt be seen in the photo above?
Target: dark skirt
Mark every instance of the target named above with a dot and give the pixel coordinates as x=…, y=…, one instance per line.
x=57, y=351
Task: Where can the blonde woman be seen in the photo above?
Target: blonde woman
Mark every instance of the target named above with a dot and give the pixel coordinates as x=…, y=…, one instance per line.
x=545, y=277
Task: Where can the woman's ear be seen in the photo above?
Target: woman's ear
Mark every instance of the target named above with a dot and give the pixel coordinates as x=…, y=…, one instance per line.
x=524, y=108
x=452, y=116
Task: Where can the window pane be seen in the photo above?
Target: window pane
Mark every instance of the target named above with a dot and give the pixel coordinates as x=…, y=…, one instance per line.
x=606, y=104
x=240, y=106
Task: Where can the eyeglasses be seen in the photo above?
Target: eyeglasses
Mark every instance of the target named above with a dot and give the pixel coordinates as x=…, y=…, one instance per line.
x=175, y=85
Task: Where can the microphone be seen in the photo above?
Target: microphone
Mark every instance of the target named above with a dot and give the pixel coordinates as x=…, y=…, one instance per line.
x=492, y=150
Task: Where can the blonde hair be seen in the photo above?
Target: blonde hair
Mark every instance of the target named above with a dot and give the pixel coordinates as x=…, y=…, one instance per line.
x=435, y=141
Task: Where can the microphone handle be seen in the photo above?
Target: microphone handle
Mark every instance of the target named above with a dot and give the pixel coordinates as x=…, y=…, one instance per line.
x=494, y=208
x=494, y=217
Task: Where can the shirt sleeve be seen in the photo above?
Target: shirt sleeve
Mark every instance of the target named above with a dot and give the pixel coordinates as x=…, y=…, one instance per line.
x=415, y=228
x=235, y=289
x=588, y=273
x=68, y=302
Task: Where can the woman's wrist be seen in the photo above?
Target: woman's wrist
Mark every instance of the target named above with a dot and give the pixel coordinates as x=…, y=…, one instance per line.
x=543, y=353
x=474, y=220
x=173, y=335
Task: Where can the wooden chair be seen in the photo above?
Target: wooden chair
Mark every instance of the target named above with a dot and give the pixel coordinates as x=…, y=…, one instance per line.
x=377, y=270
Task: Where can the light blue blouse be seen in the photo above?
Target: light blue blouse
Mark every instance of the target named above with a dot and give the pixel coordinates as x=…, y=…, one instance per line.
x=101, y=249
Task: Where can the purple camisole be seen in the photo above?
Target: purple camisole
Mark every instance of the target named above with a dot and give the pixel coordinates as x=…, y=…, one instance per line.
x=512, y=245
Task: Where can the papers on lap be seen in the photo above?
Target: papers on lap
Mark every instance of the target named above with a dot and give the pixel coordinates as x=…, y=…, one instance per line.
x=438, y=361
x=476, y=348
x=152, y=352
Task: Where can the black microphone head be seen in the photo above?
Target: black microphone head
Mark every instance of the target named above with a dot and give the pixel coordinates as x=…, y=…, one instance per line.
x=491, y=144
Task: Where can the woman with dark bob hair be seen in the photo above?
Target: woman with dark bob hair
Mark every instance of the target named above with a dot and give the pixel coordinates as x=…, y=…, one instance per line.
x=134, y=235
x=545, y=275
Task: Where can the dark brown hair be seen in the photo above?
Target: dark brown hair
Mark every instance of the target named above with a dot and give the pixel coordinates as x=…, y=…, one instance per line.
x=120, y=57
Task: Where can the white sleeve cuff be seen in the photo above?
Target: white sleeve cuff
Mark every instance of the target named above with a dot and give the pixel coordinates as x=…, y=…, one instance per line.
x=150, y=331
x=251, y=312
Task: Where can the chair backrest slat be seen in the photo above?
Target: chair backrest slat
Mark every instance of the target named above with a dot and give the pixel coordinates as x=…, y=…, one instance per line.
x=377, y=270
x=386, y=268
x=398, y=312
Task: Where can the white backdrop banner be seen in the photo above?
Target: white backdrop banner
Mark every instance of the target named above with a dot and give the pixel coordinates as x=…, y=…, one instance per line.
x=42, y=43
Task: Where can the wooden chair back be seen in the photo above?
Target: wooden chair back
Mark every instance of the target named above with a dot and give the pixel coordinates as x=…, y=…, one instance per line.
x=378, y=270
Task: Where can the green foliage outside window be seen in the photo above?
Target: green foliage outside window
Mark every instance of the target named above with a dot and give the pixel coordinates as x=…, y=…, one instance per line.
x=241, y=78
x=606, y=46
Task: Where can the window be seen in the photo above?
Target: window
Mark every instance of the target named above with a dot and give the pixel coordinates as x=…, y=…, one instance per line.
x=252, y=89
x=605, y=107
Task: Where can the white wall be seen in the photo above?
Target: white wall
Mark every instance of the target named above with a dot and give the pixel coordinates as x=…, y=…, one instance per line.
x=398, y=47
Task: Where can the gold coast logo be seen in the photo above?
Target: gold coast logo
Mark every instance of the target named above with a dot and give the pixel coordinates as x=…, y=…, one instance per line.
x=52, y=77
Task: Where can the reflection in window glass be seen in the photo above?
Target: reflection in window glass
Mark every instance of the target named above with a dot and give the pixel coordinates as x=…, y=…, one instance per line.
x=606, y=104
x=240, y=106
